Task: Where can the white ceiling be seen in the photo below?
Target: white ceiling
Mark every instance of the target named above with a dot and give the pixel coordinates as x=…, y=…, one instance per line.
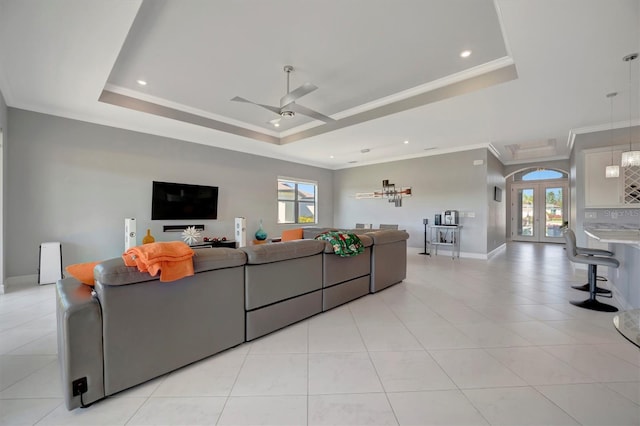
x=387, y=72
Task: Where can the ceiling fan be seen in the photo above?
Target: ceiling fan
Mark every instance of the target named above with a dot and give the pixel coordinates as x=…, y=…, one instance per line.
x=288, y=107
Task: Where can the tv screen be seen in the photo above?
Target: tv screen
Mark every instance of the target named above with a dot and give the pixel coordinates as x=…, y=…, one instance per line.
x=182, y=201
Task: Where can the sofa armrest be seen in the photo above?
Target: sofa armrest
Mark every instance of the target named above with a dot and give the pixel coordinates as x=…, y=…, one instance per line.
x=388, y=236
x=80, y=353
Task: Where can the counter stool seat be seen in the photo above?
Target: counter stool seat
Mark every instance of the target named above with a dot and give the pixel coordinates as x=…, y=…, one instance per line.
x=592, y=261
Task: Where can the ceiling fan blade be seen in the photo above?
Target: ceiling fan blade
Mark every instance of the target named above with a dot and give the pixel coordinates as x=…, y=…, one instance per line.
x=310, y=113
x=297, y=93
x=269, y=107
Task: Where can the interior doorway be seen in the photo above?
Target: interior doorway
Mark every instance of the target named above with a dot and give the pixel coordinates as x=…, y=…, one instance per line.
x=539, y=210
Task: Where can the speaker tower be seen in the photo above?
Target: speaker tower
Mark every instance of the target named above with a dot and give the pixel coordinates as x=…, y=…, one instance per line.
x=241, y=231
x=130, y=235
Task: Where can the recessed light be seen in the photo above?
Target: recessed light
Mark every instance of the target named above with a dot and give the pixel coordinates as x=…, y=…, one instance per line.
x=141, y=82
x=331, y=156
x=276, y=124
x=406, y=142
x=465, y=53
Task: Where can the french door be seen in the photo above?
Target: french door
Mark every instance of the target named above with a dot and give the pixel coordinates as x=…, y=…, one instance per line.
x=538, y=211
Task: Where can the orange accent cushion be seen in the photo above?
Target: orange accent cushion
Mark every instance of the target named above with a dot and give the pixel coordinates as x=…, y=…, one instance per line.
x=83, y=272
x=291, y=234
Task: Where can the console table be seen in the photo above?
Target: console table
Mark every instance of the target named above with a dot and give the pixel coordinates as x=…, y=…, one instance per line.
x=229, y=244
x=445, y=235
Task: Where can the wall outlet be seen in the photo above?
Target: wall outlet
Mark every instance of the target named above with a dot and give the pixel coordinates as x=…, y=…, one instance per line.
x=590, y=215
x=79, y=386
x=471, y=214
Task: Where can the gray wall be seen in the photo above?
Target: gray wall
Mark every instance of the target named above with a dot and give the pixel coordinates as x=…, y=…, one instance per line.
x=441, y=182
x=4, y=128
x=496, y=217
x=75, y=182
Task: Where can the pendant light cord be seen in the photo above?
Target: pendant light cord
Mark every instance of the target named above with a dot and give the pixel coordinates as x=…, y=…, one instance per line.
x=611, y=96
x=630, y=58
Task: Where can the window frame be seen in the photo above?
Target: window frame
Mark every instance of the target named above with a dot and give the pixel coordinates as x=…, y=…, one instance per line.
x=296, y=200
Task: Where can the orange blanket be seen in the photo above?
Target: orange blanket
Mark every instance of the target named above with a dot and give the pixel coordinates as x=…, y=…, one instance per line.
x=172, y=259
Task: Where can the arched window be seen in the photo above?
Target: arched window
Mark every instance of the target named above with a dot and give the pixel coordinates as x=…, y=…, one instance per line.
x=540, y=174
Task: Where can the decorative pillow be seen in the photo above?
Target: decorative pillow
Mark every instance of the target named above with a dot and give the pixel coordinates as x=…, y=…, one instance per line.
x=344, y=243
x=291, y=234
x=83, y=272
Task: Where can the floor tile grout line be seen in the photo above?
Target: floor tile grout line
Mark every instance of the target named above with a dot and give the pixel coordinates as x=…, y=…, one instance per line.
x=244, y=360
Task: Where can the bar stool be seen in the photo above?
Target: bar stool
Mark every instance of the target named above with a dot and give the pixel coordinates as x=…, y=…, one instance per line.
x=589, y=252
x=593, y=262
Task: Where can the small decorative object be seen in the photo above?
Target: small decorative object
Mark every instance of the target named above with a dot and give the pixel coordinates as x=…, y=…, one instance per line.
x=148, y=239
x=261, y=235
x=394, y=195
x=190, y=235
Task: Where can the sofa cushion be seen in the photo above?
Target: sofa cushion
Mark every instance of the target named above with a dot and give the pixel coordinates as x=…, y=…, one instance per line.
x=388, y=236
x=115, y=272
x=345, y=244
x=291, y=234
x=310, y=232
x=276, y=252
x=83, y=272
x=366, y=241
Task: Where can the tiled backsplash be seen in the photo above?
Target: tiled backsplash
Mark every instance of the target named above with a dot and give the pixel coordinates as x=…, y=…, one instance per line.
x=623, y=218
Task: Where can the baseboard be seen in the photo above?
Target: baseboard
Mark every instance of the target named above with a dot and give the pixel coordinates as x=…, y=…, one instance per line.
x=619, y=299
x=496, y=250
x=463, y=254
x=12, y=283
x=445, y=252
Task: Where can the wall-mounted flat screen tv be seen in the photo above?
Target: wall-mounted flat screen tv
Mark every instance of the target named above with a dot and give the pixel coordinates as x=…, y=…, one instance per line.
x=180, y=201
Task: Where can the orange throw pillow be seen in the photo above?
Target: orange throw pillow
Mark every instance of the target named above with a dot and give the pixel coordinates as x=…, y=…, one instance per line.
x=83, y=272
x=291, y=234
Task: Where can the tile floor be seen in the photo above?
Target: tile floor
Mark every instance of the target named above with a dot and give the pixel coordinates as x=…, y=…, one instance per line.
x=464, y=342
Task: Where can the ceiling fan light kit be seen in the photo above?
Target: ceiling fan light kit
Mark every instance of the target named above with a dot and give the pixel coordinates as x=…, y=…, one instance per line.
x=288, y=107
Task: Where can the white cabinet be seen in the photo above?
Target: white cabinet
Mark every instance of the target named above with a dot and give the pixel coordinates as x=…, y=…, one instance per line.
x=599, y=190
x=623, y=191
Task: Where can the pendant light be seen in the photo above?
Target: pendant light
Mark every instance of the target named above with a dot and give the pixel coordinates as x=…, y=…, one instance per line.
x=612, y=171
x=630, y=158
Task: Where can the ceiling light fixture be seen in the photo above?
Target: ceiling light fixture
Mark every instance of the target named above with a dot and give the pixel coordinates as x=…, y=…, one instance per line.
x=612, y=171
x=141, y=82
x=465, y=53
x=630, y=158
x=406, y=142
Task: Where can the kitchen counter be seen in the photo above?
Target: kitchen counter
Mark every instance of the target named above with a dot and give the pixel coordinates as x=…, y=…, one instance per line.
x=616, y=236
x=625, y=243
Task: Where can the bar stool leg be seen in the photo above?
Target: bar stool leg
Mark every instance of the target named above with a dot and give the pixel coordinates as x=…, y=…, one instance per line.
x=587, y=287
x=591, y=302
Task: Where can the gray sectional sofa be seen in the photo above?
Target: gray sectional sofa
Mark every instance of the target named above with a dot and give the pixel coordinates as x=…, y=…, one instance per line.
x=131, y=327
